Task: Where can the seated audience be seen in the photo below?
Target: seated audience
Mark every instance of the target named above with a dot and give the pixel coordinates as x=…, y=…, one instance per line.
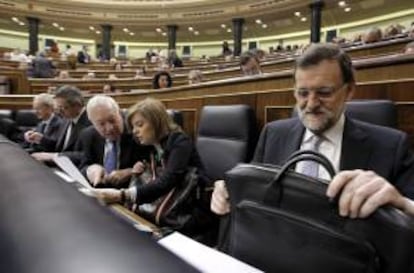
x=161, y=79
x=109, y=150
x=63, y=75
x=83, y=56
x=173, y=155
x=411, y=32
x=392, y=30
x=372, y=35
x=195, y=76
x=89, y=76
x=112, y=77
x=69, y=103
x=250, y=64
x=108, y=88
x=324, y=81
x=49, y=126
x=409, y=48
x=140, y=73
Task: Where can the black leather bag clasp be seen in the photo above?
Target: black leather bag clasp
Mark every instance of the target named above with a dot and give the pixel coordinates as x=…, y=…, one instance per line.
x=282, y=221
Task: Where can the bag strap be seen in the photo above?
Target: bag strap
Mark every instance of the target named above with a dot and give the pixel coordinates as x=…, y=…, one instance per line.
x=277, y=182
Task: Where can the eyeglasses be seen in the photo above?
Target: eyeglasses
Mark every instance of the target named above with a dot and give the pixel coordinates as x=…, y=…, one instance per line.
x=325, y=92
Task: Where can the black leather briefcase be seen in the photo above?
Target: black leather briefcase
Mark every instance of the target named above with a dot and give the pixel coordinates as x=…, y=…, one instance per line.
x=282, y=221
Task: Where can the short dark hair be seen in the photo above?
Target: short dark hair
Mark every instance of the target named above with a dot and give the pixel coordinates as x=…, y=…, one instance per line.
x=316, y=53
x=157, y=76
x=71, y=94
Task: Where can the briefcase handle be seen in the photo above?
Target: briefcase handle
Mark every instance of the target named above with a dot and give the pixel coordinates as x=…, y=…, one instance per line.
x=304, y=155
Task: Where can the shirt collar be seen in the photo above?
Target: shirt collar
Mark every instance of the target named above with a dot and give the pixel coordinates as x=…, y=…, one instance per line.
x=76, y=119
x=333, y=134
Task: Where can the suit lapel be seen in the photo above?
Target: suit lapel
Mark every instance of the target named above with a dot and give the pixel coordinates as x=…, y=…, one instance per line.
x=62, y=135
x=356, y=149
x=292, y=140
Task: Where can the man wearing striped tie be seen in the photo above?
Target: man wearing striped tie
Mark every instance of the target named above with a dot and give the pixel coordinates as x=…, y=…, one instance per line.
x=374, y=163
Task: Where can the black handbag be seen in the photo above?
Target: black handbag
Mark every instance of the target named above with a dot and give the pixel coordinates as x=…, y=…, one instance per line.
x=282, y=221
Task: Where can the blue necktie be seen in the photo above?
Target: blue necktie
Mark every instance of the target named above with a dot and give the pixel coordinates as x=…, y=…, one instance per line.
x=111, y=157
x=311, y=168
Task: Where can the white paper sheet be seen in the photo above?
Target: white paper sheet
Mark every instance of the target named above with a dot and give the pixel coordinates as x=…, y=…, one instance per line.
x=67, y=166
x=202, y=257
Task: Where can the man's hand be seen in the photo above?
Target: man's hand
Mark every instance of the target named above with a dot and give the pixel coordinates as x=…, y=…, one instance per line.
x=108, y=196
x=118, y=176
x=219, y=200
x=95, y=174
x=33, y=136
x=44, y=157
x=138, y=168
x=362, y=192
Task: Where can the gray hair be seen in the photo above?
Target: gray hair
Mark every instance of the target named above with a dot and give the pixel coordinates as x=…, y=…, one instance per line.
x=44, y=99
x=101, y=100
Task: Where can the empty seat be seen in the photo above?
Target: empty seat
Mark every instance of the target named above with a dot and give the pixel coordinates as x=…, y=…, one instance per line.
x=26, y=119
x=226, y=136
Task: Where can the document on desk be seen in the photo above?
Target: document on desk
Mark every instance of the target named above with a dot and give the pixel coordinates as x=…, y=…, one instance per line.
x=70, y=169
x=203, y=257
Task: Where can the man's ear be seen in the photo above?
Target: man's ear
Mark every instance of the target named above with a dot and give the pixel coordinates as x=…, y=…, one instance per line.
x=350, y=90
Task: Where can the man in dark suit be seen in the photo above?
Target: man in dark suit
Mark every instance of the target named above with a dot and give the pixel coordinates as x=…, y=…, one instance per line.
x=42, y=67
x=109, y=150
x=324, y=81
x=69, y=103
x=49, y=126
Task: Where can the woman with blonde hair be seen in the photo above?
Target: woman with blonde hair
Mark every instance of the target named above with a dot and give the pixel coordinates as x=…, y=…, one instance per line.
x=173, y=174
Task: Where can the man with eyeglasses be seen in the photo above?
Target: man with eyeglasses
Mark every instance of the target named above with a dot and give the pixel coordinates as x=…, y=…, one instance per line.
x=69, y=103
x=365, y=156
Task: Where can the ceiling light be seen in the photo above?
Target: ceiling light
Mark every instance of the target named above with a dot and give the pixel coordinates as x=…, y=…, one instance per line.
x=342, y=3
x=98, y=32
x=126, y=30
x=347, y=9
x=223, y=26
x=303, y=19
x=164, y=34
x=131, y=33
x=15, y=19
x=62, y=28
x=91, y=28
x=21, y=23
x=264, y=26
x=297, y=14
x=196, y=32
x=258, y=21
x=158, y=29
x=229, y=30
x=190, y=28
x=55, y=24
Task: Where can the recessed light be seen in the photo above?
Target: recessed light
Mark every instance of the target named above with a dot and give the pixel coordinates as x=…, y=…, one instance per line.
x=98, y=32
x=264, y=26
x=190, y=28
x=297, y=14
x=196, y=32
x=229, y=30
x=347, y=9
x=62, y=28
x=303, y=19
x=342, y=3
x=15, y=19
x=55, y=24
x=131, y=33
x=126, y=30
x=164, y=34
x=158, y=29
x=223, y=26
x=21, y=23
x=91, y=28
x=258, y=21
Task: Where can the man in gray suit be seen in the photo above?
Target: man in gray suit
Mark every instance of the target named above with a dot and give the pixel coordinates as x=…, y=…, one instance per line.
x=42, y=67
x=48, y=128
x=324, y=81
